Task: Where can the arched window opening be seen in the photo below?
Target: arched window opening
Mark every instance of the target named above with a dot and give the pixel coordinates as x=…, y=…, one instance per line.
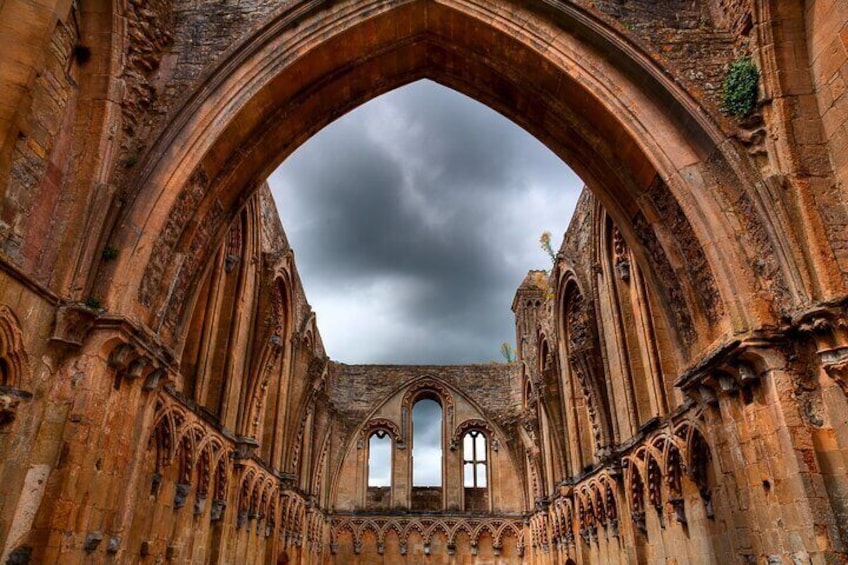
x=270, y=372
x=427, y=455
x=218, y=321
x=475, y=464
x=379, y=471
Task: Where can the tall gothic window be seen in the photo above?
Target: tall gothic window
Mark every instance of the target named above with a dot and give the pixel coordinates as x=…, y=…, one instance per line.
x=474, y=469
x=380, y=459
x=427, y=455
x=379, y=471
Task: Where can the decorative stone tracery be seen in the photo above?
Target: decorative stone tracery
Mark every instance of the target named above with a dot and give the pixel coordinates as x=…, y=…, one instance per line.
x=448, y=527
x=470, y=425
x=582, y=357
x=383, y=425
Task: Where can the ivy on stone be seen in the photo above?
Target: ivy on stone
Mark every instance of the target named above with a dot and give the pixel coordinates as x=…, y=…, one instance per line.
x=740, y=87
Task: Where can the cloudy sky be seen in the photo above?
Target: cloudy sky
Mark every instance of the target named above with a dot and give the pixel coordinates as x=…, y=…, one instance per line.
x=413, y=220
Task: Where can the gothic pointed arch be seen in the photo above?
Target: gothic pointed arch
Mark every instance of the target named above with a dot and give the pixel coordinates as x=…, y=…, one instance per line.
x=641, y=343
x=552, y=404
x=588, y=133
x=266, y=388
x=588, y=383
x=215, y=323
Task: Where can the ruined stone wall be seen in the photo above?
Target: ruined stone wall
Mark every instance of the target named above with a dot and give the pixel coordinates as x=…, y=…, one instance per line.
x=441, y=521
x=365, y=398
x=666, y=483
x=162, y=473
x=42, y=155
x=356, y=390
x=827, y=49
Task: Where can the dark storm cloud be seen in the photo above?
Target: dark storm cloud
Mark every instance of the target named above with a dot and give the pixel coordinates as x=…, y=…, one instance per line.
x=414, y=219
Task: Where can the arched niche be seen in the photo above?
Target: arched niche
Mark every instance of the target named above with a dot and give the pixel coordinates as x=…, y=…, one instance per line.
x=583, y=376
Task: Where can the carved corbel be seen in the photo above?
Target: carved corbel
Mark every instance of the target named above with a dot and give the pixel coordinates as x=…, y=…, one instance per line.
x=245, y=448
x=157, y=379
x=73, y=322
x=621, y=255
x=613, y=528
x=132, y=362
x=136, y=368
x=679, y=509
x=129, y=363
x=828, y=330
x=727, y=383
x=121, y=356
x=638, y=517
x=181, y=492
x=8, y=408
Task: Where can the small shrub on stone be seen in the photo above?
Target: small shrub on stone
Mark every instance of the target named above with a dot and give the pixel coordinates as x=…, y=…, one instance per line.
x=110, y=253
x=740, y=88
x=130, y=160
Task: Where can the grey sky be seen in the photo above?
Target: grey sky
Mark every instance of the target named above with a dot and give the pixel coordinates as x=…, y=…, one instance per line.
x=380, y=461
x=427, y=444
x=413, y=220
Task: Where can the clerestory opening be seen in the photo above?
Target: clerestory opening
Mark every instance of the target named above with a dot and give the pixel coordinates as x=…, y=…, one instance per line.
x=427, y=455
x=379, y=471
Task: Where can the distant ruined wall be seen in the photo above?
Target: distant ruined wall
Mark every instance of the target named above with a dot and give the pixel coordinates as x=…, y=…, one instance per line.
x=438, y=520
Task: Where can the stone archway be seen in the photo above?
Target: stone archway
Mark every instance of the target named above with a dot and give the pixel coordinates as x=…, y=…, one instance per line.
x=136, y=163
x=645, y=147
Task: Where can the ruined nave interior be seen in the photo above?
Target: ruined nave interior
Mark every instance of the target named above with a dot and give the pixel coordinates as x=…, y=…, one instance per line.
x=679, y=391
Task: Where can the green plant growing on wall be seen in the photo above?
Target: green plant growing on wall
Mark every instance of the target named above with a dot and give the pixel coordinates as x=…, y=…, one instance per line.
x=93, y=303
x=110, y=253
x=545, y=243
x=740, y=87
x=508, y=352
x=130, y=160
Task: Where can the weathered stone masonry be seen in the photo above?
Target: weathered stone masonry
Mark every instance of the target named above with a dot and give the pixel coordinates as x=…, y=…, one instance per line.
x=680, y=391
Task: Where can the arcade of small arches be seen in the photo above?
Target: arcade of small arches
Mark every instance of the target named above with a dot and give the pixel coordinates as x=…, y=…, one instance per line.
x=679, y=393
